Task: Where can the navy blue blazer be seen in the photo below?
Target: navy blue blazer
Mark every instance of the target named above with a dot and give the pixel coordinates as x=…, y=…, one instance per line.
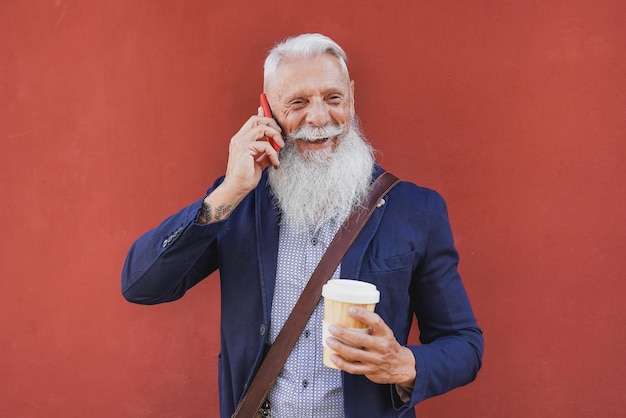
x=406, y=249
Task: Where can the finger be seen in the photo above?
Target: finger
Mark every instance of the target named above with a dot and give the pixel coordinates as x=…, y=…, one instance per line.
x=262, y=131
x=267, y=119
x=348, y=350
x=264, y=152
x=264, y=160
x=350, y=367
x=371, y=319
x=276, y=137
x=265, y=133
x=351, y=337
x=352, y=360
x=258, y=119
x=256, y=130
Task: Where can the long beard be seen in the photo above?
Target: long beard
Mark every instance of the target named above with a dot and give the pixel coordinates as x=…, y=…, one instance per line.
x=325, y=183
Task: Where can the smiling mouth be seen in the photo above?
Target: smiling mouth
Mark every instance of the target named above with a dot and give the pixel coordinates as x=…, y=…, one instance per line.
x=317, y=141
x=321, y=140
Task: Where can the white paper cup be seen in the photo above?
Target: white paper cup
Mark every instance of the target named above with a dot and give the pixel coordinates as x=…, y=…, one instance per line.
x=339, y=295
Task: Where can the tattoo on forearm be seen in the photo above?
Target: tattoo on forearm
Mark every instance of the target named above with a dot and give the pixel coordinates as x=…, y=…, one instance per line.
x=207, y=213
x=222, y=211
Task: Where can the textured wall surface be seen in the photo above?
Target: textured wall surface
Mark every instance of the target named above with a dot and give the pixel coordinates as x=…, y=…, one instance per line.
x=114, y=114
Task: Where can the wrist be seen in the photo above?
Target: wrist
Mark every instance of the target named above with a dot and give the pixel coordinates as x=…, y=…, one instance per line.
x=410, y=371
x=217, y=206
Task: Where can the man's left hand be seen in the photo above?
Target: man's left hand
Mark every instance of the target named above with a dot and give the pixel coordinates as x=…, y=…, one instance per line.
x=377, y=355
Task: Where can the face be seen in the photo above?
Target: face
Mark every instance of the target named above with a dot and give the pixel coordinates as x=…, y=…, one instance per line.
x=313, y=92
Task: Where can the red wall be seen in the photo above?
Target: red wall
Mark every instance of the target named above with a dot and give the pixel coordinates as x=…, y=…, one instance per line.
x=113, y=114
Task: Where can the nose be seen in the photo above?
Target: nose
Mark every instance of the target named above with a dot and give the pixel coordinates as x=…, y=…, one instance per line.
x=318, y=113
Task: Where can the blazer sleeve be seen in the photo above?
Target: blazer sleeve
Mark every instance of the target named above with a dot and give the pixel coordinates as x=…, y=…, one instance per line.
x=452, y=343
x=170, y=259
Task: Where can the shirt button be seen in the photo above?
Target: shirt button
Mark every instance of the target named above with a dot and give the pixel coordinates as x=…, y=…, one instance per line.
x=307, y=333
x=314, y=241
x=305, y=383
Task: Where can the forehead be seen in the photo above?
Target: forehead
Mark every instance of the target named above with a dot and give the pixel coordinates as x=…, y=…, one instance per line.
x=302, y=75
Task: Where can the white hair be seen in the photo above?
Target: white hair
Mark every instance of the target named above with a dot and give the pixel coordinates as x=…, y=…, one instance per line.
x=308, y=45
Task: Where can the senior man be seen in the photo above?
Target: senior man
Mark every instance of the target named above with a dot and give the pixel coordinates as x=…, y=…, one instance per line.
x=266, y=224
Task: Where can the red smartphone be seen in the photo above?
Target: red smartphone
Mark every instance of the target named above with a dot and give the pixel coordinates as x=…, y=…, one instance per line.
x=267, y=112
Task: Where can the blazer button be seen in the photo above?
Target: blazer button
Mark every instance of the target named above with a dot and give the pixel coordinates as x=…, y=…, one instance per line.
x=262, y=329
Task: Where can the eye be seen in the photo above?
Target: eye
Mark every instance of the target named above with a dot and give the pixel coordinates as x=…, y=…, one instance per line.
x=297, y=103
x=334, y=98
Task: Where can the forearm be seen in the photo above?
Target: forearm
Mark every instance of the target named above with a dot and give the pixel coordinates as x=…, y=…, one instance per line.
x=168, y=260
x=220, y=203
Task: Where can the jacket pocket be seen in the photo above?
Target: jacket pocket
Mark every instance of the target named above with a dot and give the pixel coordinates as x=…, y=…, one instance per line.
x=393, y=263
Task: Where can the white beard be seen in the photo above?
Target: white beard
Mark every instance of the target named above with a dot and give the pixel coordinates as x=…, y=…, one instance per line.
x=325, y=183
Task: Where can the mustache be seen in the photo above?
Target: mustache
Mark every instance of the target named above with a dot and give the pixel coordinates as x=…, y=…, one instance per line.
x=315, y=133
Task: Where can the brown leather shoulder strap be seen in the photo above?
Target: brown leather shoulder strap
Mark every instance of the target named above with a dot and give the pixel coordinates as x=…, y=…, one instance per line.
x=289, y=334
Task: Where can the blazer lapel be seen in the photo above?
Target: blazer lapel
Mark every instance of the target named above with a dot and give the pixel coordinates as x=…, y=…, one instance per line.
x=266, y=221
x=353, y=260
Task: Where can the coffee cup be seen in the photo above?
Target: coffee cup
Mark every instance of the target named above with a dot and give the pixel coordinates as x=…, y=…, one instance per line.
x=339, y=295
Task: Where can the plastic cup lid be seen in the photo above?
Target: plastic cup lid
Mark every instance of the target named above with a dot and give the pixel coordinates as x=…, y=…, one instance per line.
x=351, y=291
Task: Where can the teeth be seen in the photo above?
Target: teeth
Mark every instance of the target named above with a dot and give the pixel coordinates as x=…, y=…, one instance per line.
x=316, y=140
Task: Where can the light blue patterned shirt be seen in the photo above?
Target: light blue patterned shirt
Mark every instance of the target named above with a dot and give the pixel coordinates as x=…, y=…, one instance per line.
x=305, y=387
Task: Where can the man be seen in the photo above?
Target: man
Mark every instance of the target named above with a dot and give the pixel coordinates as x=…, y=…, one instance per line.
x=266, y=224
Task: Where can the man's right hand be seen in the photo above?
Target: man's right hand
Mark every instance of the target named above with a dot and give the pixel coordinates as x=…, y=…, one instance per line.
x=248, y=155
